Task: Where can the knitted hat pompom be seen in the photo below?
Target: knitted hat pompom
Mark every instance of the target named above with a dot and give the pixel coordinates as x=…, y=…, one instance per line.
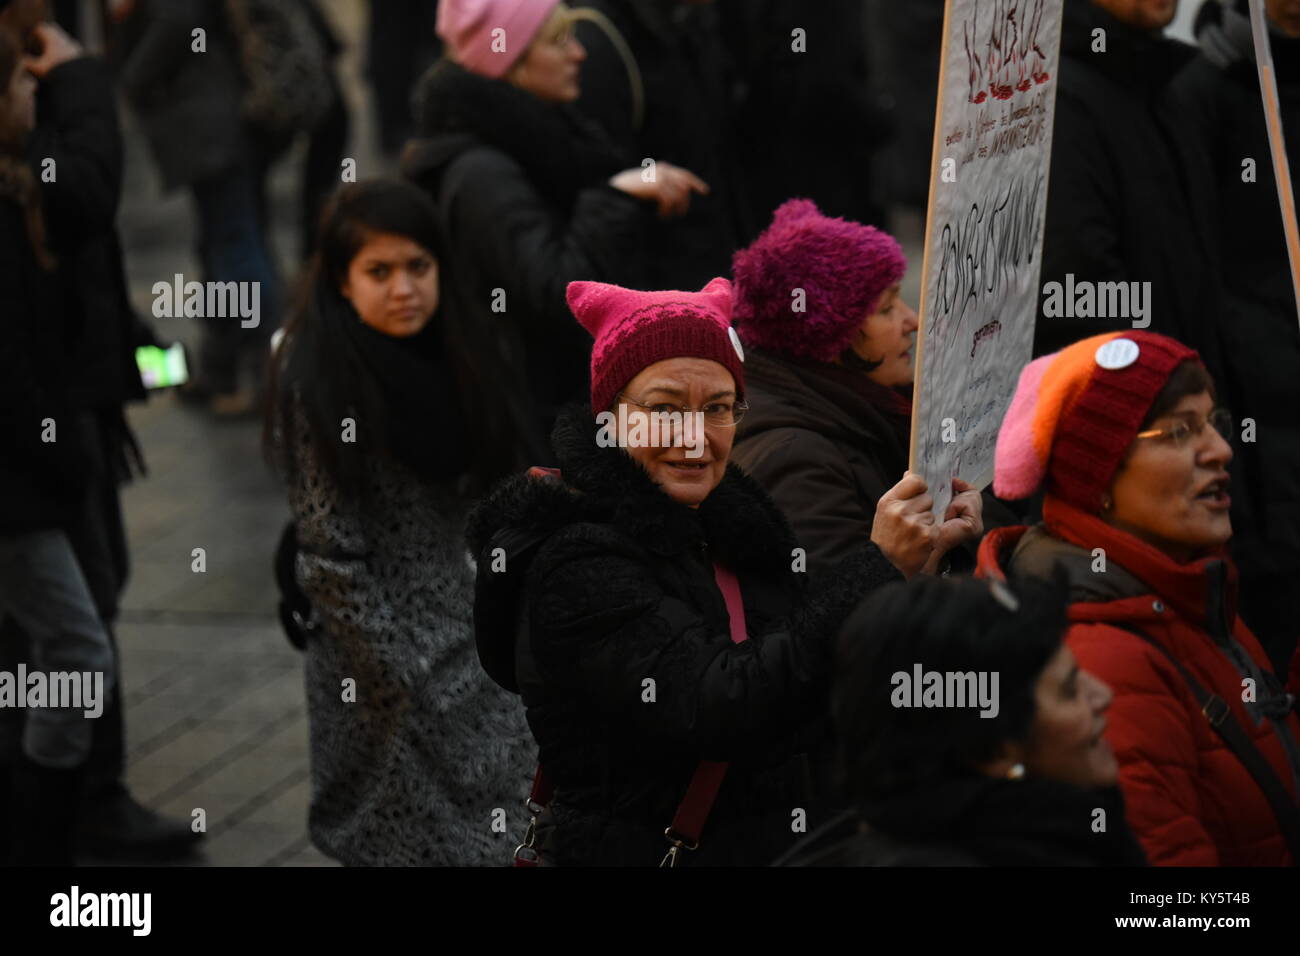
x=803, y=288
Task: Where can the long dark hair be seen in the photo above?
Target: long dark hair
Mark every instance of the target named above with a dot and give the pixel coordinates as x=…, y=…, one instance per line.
x=17, y=181
x=317, y=366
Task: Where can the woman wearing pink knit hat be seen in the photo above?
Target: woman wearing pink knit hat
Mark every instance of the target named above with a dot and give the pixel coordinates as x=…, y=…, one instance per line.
x=1121, y=433
x=649, y=604
x=819, y=308
x=532, y=196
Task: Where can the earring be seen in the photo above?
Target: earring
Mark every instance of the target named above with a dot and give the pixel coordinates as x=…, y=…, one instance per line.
x=1017, y=772
x=1106, y=503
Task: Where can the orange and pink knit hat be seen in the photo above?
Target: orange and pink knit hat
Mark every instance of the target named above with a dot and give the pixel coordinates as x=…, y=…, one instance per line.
x=1076, y=411
x=633, y=330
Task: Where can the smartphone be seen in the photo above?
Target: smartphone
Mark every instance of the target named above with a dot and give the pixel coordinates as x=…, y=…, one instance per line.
x=162, y=368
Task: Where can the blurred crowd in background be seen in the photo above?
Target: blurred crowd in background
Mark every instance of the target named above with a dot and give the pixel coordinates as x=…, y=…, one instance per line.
x=431, y=303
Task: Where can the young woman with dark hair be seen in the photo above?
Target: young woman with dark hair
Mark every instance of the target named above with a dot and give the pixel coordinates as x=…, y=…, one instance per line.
x=969, y=736
x=413, y=747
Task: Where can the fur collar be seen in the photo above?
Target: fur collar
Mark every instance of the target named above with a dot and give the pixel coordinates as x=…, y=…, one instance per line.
x=742, y=527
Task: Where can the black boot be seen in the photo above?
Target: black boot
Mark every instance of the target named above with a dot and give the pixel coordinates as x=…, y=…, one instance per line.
x=44, y=814
x=114, y=827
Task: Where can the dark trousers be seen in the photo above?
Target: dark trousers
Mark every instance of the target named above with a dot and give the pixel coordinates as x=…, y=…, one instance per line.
x=233, y=247
x=97, y=535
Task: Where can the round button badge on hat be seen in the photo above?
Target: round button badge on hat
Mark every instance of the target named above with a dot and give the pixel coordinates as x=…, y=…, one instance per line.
x=1117, y=354
x=735, y=342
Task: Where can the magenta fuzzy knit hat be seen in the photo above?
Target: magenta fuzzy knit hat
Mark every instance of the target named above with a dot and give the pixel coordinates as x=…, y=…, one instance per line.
x=804, y=286
x=633, y=330
x=470, y=30
x=1075, y=413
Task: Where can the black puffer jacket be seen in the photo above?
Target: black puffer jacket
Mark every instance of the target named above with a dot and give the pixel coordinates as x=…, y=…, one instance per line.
x=622, y=592
x=525, y=207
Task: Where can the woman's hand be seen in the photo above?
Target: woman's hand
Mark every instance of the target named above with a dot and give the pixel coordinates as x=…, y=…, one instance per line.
x=57, y=48
x=962, y=522
x=904, y=527
x=670, y=189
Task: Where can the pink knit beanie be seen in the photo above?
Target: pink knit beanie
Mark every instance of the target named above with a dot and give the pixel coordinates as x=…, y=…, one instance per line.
x=841, y=267
x=633, y=330
x=468, y=27
x=1075, y=413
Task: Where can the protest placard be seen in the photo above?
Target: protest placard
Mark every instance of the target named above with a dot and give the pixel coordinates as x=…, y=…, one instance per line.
x=984, y=231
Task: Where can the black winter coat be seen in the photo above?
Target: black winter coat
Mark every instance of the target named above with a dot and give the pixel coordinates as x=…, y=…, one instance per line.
x=1126, y=194
x=1220, y=91
x=686, y=119
x=622, y=592
x=77, y=128
x=189, y=103
x=41, y=483
x=982, y=821
x=525, y=208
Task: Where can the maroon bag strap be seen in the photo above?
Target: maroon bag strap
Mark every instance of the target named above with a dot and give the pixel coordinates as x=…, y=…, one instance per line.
x=693, y=812
x=702, y=792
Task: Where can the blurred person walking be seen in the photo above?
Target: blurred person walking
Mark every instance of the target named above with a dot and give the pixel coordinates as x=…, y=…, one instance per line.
x=412, y=745
x=1220, y=91
x=218, y=108
x=674, y=659
x=530, y=196
x=1012, y=770
x=1122, y=432
x=43, y=485
x=77, y=136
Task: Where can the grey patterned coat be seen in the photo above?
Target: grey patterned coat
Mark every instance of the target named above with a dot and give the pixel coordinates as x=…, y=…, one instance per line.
x=411, y=772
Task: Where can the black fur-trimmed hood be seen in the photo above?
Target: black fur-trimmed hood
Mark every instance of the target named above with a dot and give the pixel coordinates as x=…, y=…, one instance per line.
x=742, y=527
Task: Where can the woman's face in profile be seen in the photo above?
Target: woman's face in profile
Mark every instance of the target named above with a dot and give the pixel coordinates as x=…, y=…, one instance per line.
x=1172, y=490
x=392, y=282
x=1065, y=741
x=550, y=69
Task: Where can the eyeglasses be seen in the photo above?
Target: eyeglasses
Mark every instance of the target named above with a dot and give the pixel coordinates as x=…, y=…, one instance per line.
x=720, y=414
x=1182, y=431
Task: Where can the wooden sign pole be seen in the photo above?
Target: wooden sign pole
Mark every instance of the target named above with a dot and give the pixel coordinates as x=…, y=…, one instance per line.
x=1276, y=142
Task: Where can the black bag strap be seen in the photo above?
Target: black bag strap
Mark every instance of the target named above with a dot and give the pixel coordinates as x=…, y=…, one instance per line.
x=1219, y=713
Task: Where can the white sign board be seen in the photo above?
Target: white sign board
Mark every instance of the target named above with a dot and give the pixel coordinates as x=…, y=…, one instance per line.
x=984, y=231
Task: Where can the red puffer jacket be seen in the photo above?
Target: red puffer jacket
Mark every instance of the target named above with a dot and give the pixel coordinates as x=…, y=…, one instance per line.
x=1190, y=800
